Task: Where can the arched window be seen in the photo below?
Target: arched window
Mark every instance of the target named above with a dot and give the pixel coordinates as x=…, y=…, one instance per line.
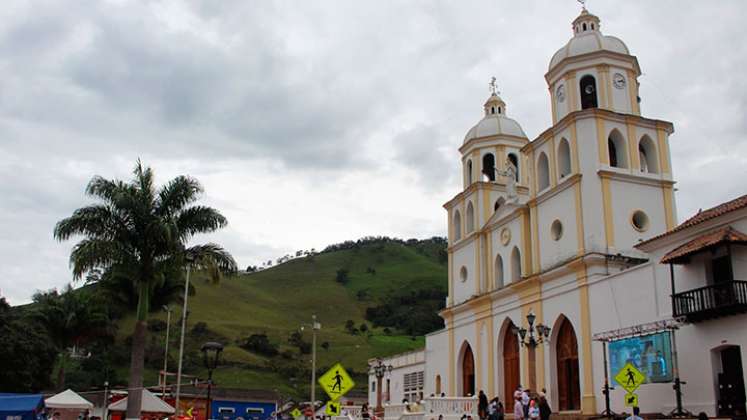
x=488, y=167
x=564, y=158
x=588, y=92
x=617, y=150
x=515, y=161
x=647, y=155
x=468, y=372
x=468, y=172
x=543, y=172
x=498, y=271
x=498, y=203
x=584, y=25
x=492, y=110
x=470, y=218
x=438, y=385
x=515, y=265
x=457, y=226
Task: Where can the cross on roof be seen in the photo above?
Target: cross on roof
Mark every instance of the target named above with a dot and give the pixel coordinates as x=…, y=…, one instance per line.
x=493, y=87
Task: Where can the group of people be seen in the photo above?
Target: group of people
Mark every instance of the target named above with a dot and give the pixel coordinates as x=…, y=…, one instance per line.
x=527, y=406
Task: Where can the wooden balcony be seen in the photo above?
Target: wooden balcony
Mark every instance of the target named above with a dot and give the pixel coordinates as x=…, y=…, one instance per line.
x=714, y=301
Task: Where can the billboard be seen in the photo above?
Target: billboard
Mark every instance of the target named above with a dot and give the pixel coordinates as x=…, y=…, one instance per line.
x=651, y=354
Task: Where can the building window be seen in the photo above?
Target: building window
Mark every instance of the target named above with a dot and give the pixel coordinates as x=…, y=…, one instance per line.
x=543, y=172
x=617, y=150
x=463, y=274
x=647, y=155
x=457, y=226
x=373, y=386
x=515, y=161
x=556, y=230
x=515, y=265
x=488, y=167
x=640, y=221
x=413, y=386
x=588, y=87
x=468, y=172
x=564, y=158
x=498, y=271
x=470, y=218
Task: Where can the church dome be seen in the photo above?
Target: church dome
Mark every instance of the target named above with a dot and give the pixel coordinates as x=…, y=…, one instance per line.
x=495, y=122
x=587, y=38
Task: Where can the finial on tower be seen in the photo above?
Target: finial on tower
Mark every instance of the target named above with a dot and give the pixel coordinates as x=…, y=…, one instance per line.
x=583, y=4
x=493, y=86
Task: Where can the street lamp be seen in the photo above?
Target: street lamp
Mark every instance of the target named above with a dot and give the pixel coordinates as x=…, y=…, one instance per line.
x=528, y=339
x=380, y=370
x=189, y=259
x=315, y=326
x=166, y=350
x=211, y=352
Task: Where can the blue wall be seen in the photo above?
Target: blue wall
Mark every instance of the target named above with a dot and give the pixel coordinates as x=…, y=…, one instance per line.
x=259, y=410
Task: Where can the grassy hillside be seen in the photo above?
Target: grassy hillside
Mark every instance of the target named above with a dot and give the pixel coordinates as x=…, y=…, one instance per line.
x=277, y=301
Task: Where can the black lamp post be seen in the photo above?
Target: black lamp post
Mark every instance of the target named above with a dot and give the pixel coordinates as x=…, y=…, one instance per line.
x=211, y=352
x=380, y=370
x=528, y=339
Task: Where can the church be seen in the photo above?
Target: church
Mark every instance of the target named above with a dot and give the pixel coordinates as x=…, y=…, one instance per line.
x=565, y=260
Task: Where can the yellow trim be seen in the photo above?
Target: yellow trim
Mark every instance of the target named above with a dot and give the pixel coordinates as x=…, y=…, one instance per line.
x=633, y=93
x=526, y=251
x=604, y=158
x=452, y=359
x=580, y=240
x=450, y=263
x=635, y=163
x=588, y=401
x=485, y=207
x=574, y=147
x=570, y=92
x=476, y=241
x=661, y=138
x=609, y=229
x=554, y=108
x=535, y=237
x=491, y=354
x=491, y=263
x=478, y=355
x=669, y=216
x=604, y=72
x=553, y=166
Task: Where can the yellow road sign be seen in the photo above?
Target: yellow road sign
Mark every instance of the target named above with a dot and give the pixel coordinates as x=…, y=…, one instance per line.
x=630, y=378
x=296, y=413
x=333, y=408
x=631, y=400
x=336, y=382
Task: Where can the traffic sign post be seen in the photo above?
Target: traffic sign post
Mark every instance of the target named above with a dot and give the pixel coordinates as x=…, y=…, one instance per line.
x=296, y=413
x=336, y=382
x=333, y=408
x=630, y=378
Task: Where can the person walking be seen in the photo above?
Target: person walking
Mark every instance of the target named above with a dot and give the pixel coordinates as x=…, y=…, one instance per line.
x=525, y=401
x=482, y=405
x=518, y=406
x=534, y=411
x=544, y=407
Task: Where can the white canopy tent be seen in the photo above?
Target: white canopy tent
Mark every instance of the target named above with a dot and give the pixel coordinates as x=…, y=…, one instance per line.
x=68, y=399
x=150, y=404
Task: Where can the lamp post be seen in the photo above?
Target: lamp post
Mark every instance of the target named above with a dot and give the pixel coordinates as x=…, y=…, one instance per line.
x=166, y=350
x=379, y=369
x=528, y=339
x=106, y=400
x=315, y=326
x=189, y=259
x=211, y=353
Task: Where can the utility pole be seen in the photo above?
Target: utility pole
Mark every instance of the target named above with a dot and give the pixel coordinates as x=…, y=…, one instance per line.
x=166, y=350
x=315, y=326
x=181, y=344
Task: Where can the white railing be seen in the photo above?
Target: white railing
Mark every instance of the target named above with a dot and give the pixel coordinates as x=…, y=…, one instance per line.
x=353, y=411
x=394, y=411
x=451, y=406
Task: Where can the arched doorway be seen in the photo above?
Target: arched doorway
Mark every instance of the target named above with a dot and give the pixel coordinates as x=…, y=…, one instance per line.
x=511, y=372
x=566, y=350
x=468, y=372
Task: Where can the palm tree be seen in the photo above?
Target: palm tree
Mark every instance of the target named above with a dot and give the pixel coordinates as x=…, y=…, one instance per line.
x=71, y=318
x=140, y=233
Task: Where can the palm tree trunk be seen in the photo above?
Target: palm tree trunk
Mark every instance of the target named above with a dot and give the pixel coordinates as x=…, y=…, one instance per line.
x=137, y=357
x=137, y=362
x=61, y=372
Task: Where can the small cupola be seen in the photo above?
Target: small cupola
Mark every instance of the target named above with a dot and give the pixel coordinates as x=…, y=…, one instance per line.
x=585, y=23
x=495, y=106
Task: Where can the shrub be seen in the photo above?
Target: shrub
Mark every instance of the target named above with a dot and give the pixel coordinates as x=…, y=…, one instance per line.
x=342, y=276
x=259, y=343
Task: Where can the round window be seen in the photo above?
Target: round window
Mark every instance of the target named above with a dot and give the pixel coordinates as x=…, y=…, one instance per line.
x=556, y=230
x=640, y=221
x=463, y=274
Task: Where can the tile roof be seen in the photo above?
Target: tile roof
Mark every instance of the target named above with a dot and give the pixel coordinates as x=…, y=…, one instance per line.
x=704, y=215
x=702, y=242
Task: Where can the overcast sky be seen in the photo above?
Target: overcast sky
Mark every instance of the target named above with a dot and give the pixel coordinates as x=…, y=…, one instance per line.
x=313, y=122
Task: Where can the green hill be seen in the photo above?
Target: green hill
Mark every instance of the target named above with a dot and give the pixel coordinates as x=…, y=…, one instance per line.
x=400, y=284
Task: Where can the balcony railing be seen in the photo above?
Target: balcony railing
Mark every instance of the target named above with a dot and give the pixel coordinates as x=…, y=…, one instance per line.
x=716, y=300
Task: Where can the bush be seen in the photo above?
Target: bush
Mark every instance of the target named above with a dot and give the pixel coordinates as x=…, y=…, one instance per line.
x=363, y=328
x=156, y=325
x=259, y=343
x=342, y=276
x=200, y=328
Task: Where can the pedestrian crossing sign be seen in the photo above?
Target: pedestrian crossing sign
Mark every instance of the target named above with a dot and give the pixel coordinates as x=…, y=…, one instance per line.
x=296, y=413
x=631, y=400
x=630, y=378
x=336, y=382
x=333, y=408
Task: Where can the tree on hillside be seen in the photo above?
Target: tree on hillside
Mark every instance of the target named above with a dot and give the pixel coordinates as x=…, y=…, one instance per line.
x=72, y=319
x=342, y=276
x=138, y=232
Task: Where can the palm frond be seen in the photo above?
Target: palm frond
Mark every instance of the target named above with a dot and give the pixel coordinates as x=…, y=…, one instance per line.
x=199, y=219
x=178, y=193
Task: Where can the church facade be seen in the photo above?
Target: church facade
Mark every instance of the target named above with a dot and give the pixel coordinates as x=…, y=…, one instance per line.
x=549, y=244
